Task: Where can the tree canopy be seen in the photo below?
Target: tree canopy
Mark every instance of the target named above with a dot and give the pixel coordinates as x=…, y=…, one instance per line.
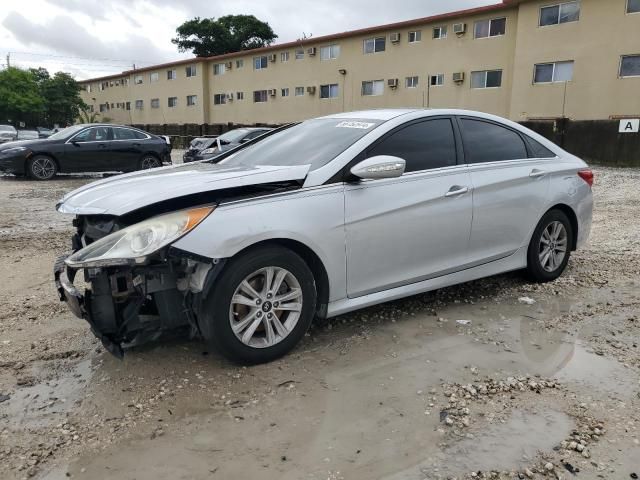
x=207, y=37
x=37, y=99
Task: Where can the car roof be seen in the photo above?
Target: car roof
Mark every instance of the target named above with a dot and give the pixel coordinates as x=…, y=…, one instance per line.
x=386, y=114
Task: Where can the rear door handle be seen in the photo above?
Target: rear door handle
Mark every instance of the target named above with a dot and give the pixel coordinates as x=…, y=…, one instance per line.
x=536, y=173
x=456, y=191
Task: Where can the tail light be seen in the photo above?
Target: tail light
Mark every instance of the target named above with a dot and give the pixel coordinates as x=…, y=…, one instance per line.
x=587, y=176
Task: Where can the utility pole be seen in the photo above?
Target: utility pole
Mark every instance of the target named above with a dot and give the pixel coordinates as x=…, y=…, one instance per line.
x=8, y=59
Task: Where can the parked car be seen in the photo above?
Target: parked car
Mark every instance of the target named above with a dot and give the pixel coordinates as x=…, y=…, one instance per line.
x=8, y=133
x=196, y=146
x=44, y=132
x=209, y=149
x=319, y=219
x=28, y=135
x=85, y=148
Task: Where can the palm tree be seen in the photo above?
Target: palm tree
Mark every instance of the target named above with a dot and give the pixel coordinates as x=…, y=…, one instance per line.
x=87, y=116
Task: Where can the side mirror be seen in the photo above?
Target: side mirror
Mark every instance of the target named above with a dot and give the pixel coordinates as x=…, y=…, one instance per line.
x=379, y=167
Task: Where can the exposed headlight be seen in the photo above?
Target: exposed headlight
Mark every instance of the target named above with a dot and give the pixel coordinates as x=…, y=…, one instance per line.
x=134, y=244
x=208, y=151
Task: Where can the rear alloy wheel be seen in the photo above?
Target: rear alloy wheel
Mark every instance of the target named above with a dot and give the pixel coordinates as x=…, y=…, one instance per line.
x=550, y=247
x=41, y=167
x=261, y=306
x=148, y=162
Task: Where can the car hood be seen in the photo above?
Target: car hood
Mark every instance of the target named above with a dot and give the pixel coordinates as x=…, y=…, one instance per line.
x=125, y=193
x=31, y=143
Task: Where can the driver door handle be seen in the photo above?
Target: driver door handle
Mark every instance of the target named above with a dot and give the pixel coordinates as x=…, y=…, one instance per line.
x=537, y=173
x=456, y=191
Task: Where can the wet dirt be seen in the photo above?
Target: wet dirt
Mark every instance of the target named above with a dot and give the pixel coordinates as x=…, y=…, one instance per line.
x=367, y=396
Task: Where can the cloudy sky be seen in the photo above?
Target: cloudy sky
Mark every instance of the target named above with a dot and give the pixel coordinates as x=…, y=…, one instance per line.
x=90, y=38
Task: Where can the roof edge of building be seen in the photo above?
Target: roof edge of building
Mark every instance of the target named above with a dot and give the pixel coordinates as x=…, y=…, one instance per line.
x=505, y=4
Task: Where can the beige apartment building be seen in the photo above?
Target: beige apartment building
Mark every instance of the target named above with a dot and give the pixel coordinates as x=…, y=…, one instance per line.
x=521, y=59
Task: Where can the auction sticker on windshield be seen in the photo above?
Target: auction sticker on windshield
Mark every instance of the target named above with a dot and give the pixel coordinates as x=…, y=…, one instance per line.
x=360, y=125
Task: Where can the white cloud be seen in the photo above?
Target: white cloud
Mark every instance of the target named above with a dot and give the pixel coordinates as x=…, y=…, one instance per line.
x=140, y=31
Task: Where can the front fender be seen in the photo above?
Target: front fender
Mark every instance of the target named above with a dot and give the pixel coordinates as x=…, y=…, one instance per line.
x=313, y=217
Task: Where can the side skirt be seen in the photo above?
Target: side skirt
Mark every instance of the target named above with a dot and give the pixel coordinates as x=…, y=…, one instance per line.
x=516, y=261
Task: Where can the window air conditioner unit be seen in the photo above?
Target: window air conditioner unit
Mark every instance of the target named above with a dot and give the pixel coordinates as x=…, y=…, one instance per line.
x=229, y=97
x=393, y=83
x=312, y=51
x=273, y=92
x=311, y=90
x=458, y=77
x=229, y=65
x=395, y=38
x=459, y=28
x=273, y=57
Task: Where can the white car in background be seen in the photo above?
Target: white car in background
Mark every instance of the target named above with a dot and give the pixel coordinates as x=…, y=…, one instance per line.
x=8, y=133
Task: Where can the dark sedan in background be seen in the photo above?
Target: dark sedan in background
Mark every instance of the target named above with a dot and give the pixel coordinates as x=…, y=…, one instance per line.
x=85, y=148
x=209, y=148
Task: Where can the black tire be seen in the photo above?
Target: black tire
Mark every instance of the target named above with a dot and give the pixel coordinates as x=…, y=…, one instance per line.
x=536, y=271
x=148, y=161
x=42, y=167
x=215, y=316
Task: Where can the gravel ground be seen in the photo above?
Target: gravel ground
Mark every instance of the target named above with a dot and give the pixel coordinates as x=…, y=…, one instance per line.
x=492, y=379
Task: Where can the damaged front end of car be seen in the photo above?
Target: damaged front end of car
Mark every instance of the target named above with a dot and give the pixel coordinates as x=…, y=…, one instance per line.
x=136, y=285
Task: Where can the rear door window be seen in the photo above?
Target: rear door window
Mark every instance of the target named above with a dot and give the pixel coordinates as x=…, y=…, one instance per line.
x=488, y=142
x=424, y=146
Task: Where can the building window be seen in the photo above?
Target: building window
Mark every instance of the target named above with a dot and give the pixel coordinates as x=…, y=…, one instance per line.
x=299, y=91
x=560, y=13
x=219, y=69
x=486, y=79
x=330, y=52
x=240, y=63
x=299, y=53
x=260, y=96
x=240, y=95
x=191, y=71
x=284, y=57
x=329, y=91
x=88, y=88
x=412, y=82
x=436, y=80
x=630, y=66
x=155, y=103
x=553, y=72
x=490, y=28
x=154, y=77
x=633, y=6
x=373, y=88
x=139, y=104
x=220, y=99
x=439, y=33
x=375, y=45
x=172, y=74
x=138, y=80
x=128, y=105
x=260, y=63
x=285, y=92
x=415, y=37
x=172, y=102
x=192, y=100
x=102, y=108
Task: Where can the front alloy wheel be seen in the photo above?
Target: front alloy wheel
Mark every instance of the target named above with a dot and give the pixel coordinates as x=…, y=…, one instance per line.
x=260, y=305
x=41, y=167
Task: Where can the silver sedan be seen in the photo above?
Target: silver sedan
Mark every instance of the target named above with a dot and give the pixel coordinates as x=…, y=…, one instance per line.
x=320, y=218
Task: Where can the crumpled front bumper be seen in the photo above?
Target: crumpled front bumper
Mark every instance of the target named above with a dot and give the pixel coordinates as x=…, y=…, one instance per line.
x=123, y=306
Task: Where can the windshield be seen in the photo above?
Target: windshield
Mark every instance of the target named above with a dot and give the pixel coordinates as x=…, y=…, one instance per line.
x=314, y=142
x=7, y=128
x=234, y=136
x=67, y=132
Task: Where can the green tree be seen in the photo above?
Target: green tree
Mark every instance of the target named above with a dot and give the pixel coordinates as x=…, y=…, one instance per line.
x=20, y=97
x=87, y=116
x=208, y=37
x=62, y=99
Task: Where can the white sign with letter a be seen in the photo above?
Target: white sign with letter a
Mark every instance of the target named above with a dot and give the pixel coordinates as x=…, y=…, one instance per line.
x=630, y=125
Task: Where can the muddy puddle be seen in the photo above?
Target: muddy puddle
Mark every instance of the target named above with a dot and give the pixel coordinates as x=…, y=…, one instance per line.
x=371, y=411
